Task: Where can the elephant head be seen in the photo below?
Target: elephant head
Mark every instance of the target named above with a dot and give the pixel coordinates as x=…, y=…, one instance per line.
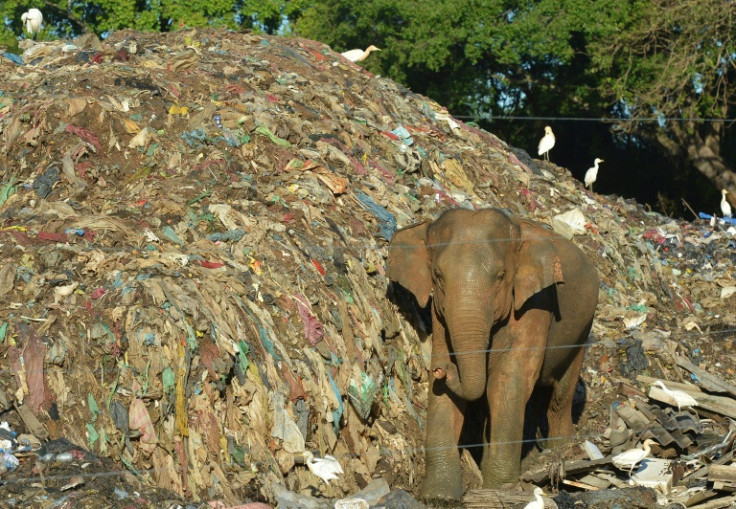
x=479, y=267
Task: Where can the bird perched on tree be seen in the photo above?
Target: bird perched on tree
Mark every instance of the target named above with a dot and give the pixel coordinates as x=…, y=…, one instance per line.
x=546, y=143
x=725, y=206
x=327, y=468
x=629, y=459
x=538, y=502
x=358, y=55
x=32, y=20
x=592, y=174
x=682, y=398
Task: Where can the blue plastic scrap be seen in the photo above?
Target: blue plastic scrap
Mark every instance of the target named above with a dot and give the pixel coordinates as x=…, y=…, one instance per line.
x=16, y=59
x=387, y=220
x=336, y=414
x=403, y=134
x=729, y=220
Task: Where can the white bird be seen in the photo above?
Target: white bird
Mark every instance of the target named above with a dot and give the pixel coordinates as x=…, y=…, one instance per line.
x=358, y=55
x=546, y=143
x=538, y=502
x=327, y=468
x=629, y=459
x=592, y=174
x=33, y=20
x=725, y=206
x=682, y=398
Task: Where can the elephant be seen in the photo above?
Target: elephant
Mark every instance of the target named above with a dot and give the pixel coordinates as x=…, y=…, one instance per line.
x=512, y=307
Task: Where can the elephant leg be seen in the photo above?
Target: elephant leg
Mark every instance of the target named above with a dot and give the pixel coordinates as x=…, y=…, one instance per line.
x=445, y=417
x=514, y=369
x=559, y=413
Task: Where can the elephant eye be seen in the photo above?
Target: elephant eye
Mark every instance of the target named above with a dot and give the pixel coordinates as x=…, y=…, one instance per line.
x=501, y=274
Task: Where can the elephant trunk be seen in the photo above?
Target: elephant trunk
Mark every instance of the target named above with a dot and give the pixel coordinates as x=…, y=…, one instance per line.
x=470, y=339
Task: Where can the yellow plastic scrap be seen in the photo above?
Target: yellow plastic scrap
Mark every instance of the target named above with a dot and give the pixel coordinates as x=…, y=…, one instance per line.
x=178, y=110
x=255, y=266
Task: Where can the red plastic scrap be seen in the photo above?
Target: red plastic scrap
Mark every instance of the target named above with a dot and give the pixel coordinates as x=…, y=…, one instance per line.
x=319, y=267
x=174, y=91
x=52, y=237
x=272, y=98
x=82, y=168
x=97, y=293
x=390, y=135
x=21, y=238
x=86, y=135
x=654, y=236
x=313, y=329
x=235, y=89
x=211, y=265
x=389, y=177
x=533, y=204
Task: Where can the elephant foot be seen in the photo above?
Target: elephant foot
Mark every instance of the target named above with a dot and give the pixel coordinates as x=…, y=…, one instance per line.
x=432, y=490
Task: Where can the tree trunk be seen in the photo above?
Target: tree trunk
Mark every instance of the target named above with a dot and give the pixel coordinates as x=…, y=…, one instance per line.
x=702, y=148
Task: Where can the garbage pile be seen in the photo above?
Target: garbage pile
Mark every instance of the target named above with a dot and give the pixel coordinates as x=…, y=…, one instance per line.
x=193, y=232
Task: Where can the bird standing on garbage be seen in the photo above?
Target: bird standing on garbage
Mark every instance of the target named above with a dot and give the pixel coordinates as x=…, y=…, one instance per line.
x=629, y=459
x=546, y=143
x=32, y=20
x=538, y=502
x=725, y=206
x=682, y=398
x=326, y=468
x=592, y=174
x=358, y=55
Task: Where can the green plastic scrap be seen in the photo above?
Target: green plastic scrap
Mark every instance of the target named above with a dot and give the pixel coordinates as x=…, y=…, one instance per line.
x=7, y=191
x=265, y=131
x=93, y=408
x=192, y=339
x=641, y=308
x=170, y=234
x=92, y=435
x=3, y=332
x=200, y=197
x=113, y=390
x=362, y=396
x=168, y=379
x=242, y=352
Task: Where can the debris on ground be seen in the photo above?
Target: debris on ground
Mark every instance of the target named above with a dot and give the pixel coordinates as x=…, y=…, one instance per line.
x=193, y=232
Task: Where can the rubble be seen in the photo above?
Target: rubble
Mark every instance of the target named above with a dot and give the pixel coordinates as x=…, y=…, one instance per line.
x=193, y=231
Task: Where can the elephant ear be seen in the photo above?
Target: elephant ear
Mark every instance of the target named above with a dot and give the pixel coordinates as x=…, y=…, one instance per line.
x=539, y=264
x=408, y=261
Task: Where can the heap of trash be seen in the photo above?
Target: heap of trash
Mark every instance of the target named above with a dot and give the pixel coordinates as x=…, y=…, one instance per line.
x=193, y=237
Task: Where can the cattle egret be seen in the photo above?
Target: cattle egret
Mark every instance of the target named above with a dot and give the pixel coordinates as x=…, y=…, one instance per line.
x=358, y=55
x=326, y=468
x=546, y=143
x=592, y=174
x=725, y=206
x=629, y=459
x=682, y=398
x=32, y=20
x=538, y=502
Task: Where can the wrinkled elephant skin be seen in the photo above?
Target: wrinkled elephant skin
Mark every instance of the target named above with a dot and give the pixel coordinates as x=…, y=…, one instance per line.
x=512, y=306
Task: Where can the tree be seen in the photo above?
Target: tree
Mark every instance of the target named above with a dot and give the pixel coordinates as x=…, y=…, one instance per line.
x=675, y=60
